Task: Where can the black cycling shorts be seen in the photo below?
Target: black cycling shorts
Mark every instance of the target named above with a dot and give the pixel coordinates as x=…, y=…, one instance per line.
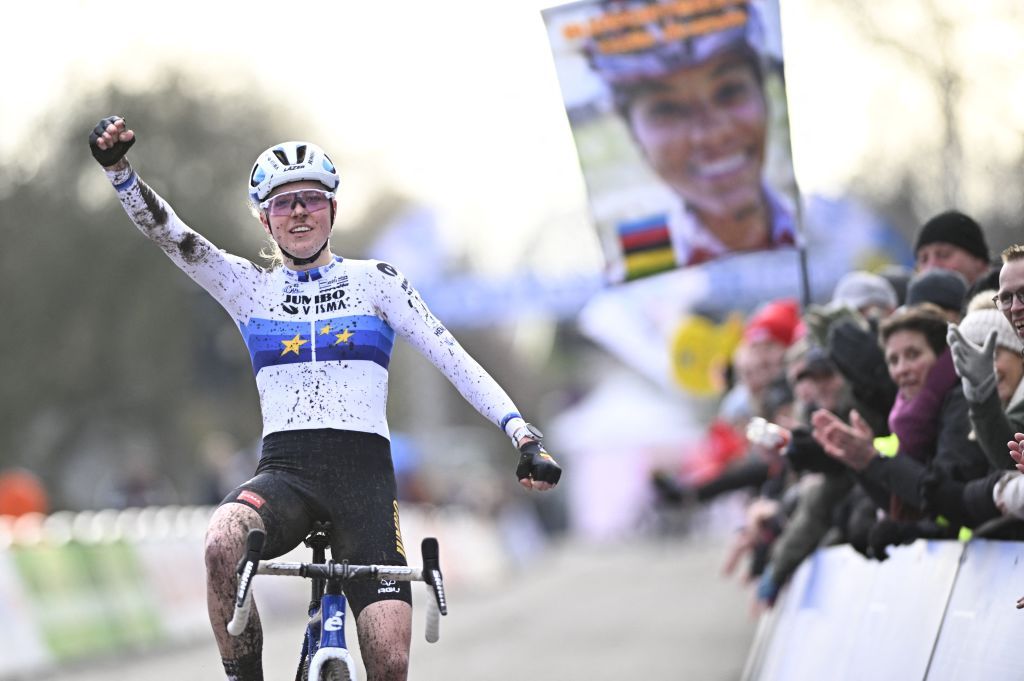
x=341, y=476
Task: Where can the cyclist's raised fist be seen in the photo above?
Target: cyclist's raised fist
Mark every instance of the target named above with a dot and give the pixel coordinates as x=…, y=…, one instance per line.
x=110, y=141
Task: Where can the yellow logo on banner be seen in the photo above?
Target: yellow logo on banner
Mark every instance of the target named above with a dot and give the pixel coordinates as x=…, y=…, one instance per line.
x=701, y=350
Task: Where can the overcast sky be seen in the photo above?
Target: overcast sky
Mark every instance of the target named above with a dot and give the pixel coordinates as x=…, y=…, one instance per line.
x=456, y=102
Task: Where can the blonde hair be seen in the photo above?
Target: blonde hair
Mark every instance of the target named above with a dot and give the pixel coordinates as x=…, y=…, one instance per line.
x=272, y=254
x=1014, y=252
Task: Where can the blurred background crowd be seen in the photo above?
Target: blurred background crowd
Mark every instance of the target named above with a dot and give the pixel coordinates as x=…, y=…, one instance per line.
x=877, y=418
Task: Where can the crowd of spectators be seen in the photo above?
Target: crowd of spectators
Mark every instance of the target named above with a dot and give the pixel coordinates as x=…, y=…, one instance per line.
x=891, y=413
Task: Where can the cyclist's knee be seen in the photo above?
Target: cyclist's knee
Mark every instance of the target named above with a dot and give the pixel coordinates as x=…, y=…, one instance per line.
x=385, y=629
x=225, y=537
x=388, y=665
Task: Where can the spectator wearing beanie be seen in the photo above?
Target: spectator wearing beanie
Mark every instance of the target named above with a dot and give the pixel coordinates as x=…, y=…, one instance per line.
x=987, y=356
x=941, y=287
x=778, y=321
x=869, y=294
x=986, y=353
x=953, y=241
x=989, y=280
x=759, y=358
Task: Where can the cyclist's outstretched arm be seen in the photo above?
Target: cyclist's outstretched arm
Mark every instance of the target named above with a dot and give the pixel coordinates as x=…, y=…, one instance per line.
x=409, y=316
x=223, y=275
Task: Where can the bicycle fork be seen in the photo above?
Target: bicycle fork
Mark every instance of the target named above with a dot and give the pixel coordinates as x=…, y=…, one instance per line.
x=325, y=647
x=332, y=658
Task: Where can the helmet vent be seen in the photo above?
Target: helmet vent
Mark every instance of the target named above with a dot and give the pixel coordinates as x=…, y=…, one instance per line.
x=257, y=176
x=279, y=153
x=300, y=153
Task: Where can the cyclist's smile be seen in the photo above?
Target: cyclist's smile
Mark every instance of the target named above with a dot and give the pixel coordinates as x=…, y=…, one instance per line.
x=304, y=228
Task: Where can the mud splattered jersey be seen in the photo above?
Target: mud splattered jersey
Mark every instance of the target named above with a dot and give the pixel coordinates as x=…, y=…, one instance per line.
x=320, y=341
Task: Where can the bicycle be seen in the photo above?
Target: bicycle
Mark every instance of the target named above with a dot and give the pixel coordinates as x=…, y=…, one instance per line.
x=325, y=655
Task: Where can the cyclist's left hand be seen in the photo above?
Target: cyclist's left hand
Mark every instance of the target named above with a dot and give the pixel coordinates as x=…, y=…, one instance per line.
x=537, y=469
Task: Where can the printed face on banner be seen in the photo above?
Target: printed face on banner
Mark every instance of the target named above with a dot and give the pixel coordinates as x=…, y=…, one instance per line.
x=678, y=110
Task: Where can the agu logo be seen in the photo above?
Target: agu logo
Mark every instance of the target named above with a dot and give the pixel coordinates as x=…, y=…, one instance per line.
x=388, y=586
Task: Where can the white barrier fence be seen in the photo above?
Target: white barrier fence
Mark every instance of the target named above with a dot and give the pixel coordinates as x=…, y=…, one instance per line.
x=75, y=586
x=935, y=611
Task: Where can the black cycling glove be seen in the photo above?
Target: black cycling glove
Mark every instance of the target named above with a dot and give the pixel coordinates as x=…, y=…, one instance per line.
x=805, y=454
x=108, y=157
x=535, y=463
x=887, y=532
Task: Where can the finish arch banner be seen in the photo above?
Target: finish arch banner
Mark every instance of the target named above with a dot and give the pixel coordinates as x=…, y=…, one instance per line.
x=678, y=110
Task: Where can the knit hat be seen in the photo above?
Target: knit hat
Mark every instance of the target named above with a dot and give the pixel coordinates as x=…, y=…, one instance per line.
x=816, y=364
x=976, y=326
x=941, y=287
x=777, y=321
x=898, y=277
x=982, y=300
x=953, y=227
x=860, y=289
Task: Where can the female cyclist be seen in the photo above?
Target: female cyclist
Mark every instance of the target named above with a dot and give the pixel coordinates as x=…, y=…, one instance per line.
x=319, y=329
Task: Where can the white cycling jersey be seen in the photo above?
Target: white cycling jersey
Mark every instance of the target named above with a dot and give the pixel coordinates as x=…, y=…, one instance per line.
x=320, y=340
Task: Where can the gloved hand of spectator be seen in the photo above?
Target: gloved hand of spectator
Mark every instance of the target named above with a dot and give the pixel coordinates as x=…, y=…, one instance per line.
x=862, y=518
x=974, y=365
x=943, y=496
x=805, y=454
x=886, y=533
x=853, y=348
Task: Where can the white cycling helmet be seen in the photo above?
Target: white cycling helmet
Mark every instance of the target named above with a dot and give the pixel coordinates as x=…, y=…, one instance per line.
x=290, y=162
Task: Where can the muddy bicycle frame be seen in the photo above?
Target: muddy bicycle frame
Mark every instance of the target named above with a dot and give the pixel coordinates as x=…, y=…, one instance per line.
x=325, y=654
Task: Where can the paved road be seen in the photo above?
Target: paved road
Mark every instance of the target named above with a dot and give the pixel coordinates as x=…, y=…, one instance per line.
x=647, y=610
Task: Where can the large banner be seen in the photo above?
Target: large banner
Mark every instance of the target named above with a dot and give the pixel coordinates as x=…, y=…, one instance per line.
x=678, y=111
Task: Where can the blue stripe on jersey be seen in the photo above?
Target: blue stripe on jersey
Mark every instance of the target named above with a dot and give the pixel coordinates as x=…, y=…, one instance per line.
x=274, y=342
x=362, y=337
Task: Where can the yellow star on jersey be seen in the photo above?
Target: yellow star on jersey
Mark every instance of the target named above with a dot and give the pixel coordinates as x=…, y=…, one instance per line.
x=343, y=337
x=292, y=345
x=325, y=330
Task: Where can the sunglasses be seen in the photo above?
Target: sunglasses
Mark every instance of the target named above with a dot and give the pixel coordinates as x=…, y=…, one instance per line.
x=312, y=200
x=1004, y=300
